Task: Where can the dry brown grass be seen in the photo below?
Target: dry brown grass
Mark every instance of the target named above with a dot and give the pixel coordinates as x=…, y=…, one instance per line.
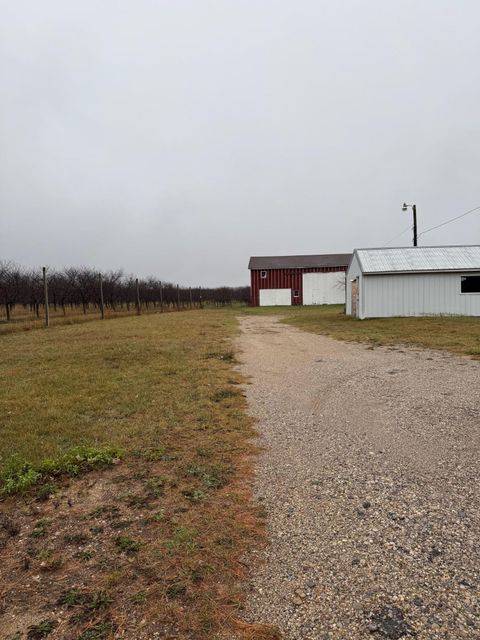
x=449, y=333
x=162, y=533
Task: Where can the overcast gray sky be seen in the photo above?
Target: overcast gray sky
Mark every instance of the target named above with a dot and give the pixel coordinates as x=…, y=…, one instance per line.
x=179, y=137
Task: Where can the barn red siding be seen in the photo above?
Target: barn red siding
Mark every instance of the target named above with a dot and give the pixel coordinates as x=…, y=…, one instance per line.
x=282, y=279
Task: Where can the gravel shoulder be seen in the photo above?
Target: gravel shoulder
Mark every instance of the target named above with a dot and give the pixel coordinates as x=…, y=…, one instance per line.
x=369, y=479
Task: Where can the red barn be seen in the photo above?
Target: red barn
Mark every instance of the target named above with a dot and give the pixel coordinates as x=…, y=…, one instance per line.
x=287, y=280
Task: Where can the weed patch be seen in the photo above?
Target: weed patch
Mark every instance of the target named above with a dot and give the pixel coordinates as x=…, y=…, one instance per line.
x=212, y=476
x=127, y=545
x=19, y=476
x=176, y=590
x=224, y=394
x=40, y=529
x=41, y=630
x=100, y=631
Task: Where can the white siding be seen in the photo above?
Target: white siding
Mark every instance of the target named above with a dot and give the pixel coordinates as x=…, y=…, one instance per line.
x=354, y=272
x=384, y=296
x=275, y=297
x=324, y=288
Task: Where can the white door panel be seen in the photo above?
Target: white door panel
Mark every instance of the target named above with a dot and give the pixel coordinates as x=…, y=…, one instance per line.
x=324, y=288
x=275, y=297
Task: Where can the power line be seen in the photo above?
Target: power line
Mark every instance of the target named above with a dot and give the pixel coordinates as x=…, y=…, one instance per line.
x=448, y=221
x=398, y=235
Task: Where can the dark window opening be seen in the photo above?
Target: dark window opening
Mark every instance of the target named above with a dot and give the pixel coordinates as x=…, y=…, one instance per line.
x=263, y=274
x=296, y=293
x=470, y=284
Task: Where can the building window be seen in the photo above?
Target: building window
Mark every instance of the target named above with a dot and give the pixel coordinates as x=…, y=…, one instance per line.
x=296, y=293
x=263, y=275
x=470, y=284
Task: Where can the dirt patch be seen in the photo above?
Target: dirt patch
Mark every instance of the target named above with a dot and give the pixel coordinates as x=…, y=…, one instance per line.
x=117, y=553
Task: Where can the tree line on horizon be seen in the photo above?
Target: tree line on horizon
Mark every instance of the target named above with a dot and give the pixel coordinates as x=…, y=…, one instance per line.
x=81, y=287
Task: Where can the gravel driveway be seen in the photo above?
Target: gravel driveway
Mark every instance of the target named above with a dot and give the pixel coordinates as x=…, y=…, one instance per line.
x=370, y=482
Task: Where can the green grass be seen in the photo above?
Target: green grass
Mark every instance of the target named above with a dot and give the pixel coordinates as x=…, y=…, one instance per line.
x=122, y=385
x=151, y=406
x=457, y=334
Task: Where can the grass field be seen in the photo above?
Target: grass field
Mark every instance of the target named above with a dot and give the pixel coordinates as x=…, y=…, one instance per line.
x=456, y=334
x=152, y=538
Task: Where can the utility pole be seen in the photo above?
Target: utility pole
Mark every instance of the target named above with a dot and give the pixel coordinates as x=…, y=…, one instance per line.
x=102, y=307
x=415, y=238
x=45, y=297
x=414, y=210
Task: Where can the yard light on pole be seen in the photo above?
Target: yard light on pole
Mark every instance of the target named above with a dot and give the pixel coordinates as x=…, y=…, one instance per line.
x=414, y=210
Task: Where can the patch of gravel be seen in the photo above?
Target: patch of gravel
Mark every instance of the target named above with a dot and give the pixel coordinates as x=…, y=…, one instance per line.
x=370, y=482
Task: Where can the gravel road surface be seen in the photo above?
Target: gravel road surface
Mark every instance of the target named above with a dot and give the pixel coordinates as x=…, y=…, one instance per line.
x=370, y=481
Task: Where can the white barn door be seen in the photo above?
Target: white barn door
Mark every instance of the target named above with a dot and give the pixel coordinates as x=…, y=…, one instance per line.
x=324, y=288
x=275, y=297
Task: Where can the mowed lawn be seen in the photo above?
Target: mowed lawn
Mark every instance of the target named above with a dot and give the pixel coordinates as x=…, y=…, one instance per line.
x=451, y=333
x=130, y=382
x=150, y=540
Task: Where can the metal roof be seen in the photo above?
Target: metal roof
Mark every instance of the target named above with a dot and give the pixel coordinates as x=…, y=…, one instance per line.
x=300, y=262
x=405, y=259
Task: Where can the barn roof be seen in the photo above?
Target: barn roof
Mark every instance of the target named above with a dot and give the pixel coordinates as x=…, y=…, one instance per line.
x=418, y=259
x=300, y=262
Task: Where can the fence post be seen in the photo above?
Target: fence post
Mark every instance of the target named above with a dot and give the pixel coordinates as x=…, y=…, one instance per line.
x=137, y=296
x=102, y=308
x=45, y=297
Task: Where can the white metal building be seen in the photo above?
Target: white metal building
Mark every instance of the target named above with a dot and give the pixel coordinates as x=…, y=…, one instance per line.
x=414, y=281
